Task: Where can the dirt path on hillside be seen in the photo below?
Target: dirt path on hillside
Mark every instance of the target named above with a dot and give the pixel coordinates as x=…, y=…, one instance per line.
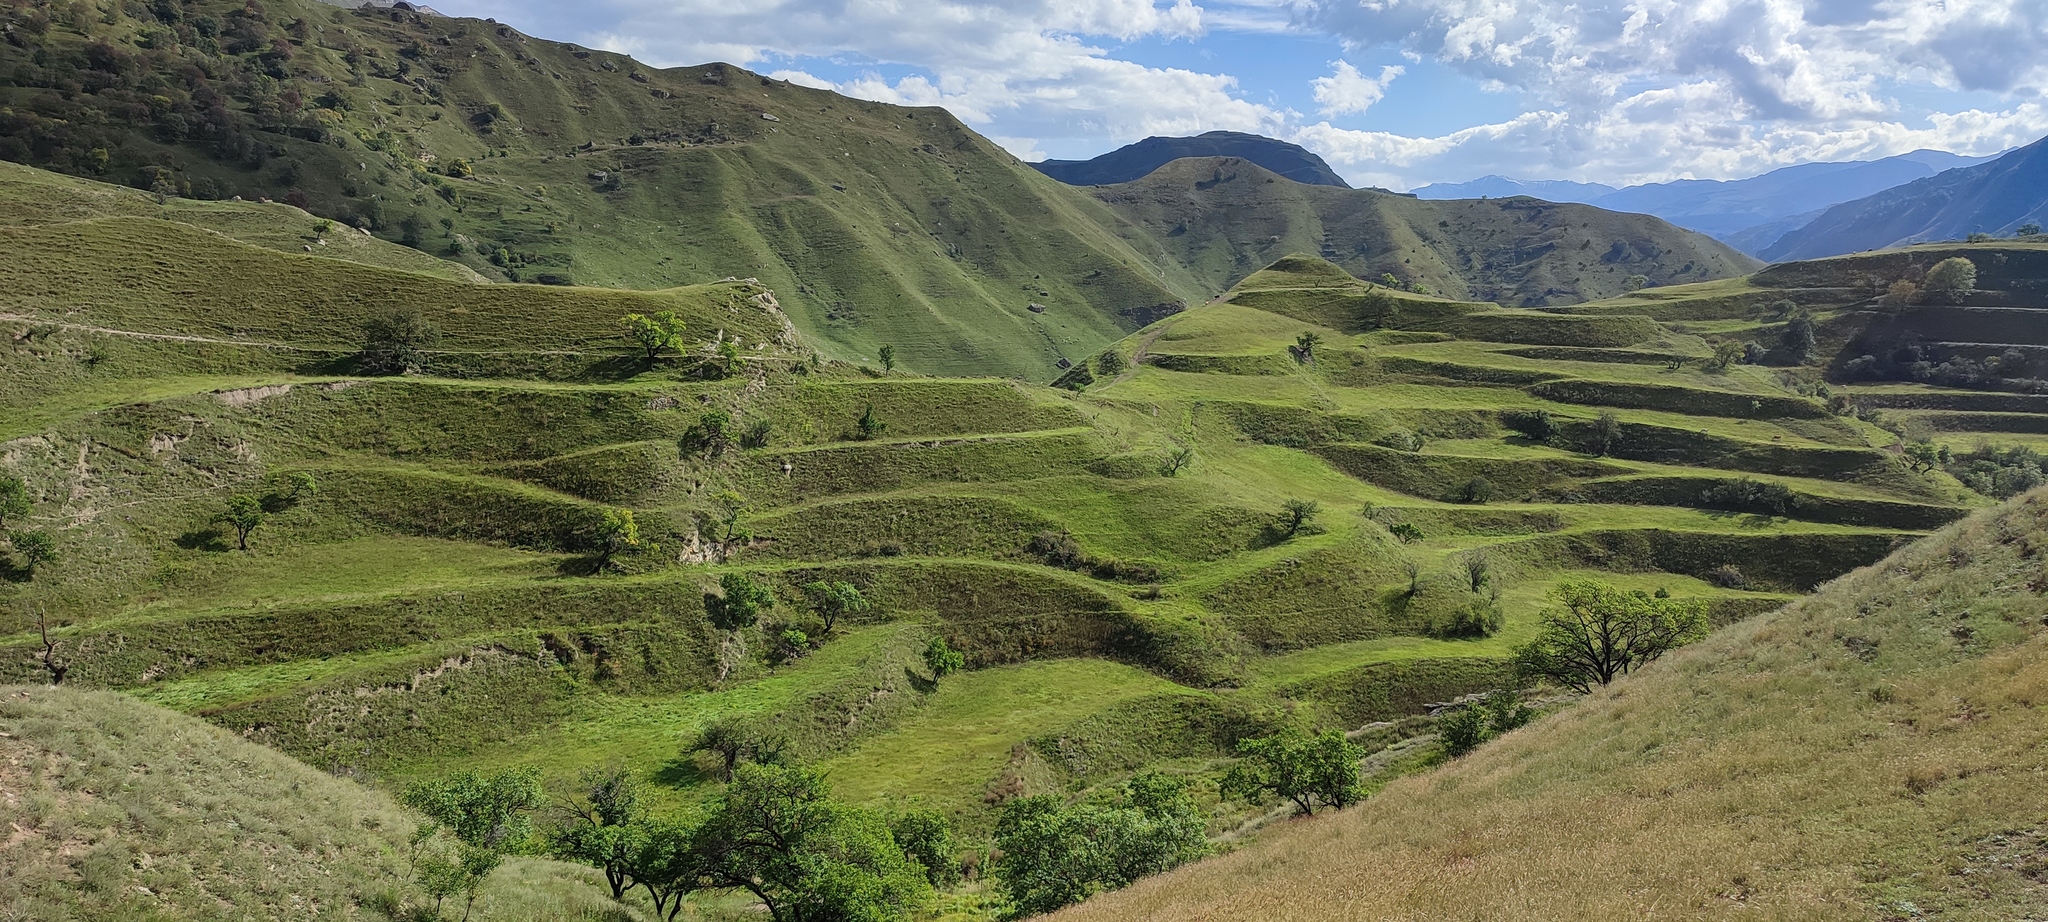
x=1143, y=352
x=170, y=337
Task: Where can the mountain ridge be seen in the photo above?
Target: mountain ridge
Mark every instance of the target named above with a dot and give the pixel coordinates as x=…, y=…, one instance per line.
x=1135, y=161
x=1996, y=197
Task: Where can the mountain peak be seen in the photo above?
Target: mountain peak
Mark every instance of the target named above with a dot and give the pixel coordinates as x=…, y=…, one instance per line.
x=1134, y=161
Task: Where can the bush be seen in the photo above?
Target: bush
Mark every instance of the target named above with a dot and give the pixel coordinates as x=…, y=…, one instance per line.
x=1399, y=440
x=1951, y=279
x=1406, y=532
x=1050, y=855
x=1749, y=495
x=1537, y=425
x=397, y=343
x=1481, y=617
x=1462, y=730
x=1727, y=576
x=1478, y=491
x=2001, y=473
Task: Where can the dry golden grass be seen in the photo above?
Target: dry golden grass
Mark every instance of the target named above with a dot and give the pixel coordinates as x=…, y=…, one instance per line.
x=1872, y=752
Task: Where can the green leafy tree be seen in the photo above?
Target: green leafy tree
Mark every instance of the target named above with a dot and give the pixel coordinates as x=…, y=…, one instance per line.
x=776, y=834
x=1311, y=770
x=1923, y=456
x=397, y=343
x=709, y=436
x=733, y=740
x=244, y=514
x=1053, y=855
x=617, y=532
x=730, y=526
x=1297, y=515
x=2029, y=230
x=730, y=359
x=740, y=603
x=1464, y=728
x=1899, y=296
x=868, y=427
x=1305, y=347
x=35, y=549
x=942, y=659
x=665, y=863
x=1607, y=433
x=927, y=838
x=655, y=333
x=605, y=827
x=1593, y=633
x=489, y=817
x=302, y=485
x=888, y=358
x=1798, y=338
x=1951, y=279
x=1726, y=352
x=833, y=600
x=13, y=499
x=1176, y=460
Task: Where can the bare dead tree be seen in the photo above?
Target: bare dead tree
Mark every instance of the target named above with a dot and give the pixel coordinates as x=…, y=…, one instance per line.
x=56, y=669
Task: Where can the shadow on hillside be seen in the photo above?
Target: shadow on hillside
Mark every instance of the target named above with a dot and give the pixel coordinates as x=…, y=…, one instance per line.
x=923, y=685
x=616, y=368
x=1743, y=519
x=682, y=772
x=14, y=574
x=204, y=539
x=579, y=566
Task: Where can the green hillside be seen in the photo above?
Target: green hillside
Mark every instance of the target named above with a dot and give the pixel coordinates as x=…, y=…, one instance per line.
x=535, y=161
x=121, y=810
x=1871, y=752
x=1224, y=218
x=432, y=587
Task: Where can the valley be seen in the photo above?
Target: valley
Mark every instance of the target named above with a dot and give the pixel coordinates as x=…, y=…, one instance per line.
x=507, y=425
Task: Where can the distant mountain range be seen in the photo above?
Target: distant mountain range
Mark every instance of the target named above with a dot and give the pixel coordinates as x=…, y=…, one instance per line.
x=1995, y=198
x=1749, y=214
x=1135, y=161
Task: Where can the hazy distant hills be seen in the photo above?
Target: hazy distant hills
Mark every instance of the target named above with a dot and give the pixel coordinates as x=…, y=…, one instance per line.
x=1994, y=198
x=1749, y=214
x=1135, y=161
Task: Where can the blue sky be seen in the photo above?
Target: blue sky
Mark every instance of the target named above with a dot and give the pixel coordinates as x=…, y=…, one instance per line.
x=1395, y=93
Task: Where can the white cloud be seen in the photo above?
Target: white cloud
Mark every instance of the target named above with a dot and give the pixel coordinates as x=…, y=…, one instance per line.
x=1348, y=92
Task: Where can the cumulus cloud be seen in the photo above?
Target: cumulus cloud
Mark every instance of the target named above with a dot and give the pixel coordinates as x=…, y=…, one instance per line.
x=1654, y=89
x=1348, y=92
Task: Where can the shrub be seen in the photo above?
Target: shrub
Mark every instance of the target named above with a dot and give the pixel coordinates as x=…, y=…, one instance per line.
x=1749, y=495
x=397, y=343
x=741, y=602
x=1050, y=855
x=1406, y=532
x=1478, y=491
x=942, y=659
x=1399, y=440
x=1607, y=434
x=1537, y=425
x=1058, y=548
x=1462, y=730
x=757, y=434
x=868, y=427
x=1727, y=576
x=1480, y=617
x=1899, y=296
x=1298, y=515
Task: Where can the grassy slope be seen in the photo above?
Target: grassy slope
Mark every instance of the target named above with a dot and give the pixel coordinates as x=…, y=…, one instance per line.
x=1869, y=752
x=1226, y=218
x=121, y=810
x=429, y=607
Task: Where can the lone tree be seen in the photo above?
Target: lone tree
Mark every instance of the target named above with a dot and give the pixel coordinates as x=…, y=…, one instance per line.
x=777, y=834
x=710, y=435
x=244, y=514
x=13, y=499
x=1050, y=854
x=732, y=740
x=1319, y=770
x=617, y=532
x=35, y=548
x=942, y=659
x=1305, y=347
x=1726, y=352
x=1951, y=279
x=834, y=600
x=1593, y=633
x=1297, y=515
x=603, y=827
x=888, y=358
x=868, y=427
x=397, y=343
x=1899, y=296
x=1606, y=433
x=489, y=817
x=1176, y=460
x=740, y=602
x=1798, y=337
x=653, y=334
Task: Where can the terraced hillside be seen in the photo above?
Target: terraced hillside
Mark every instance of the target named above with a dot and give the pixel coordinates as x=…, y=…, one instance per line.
x=536, y=161
x=1963, y=369
x=1870, y=752
x=433, y=586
